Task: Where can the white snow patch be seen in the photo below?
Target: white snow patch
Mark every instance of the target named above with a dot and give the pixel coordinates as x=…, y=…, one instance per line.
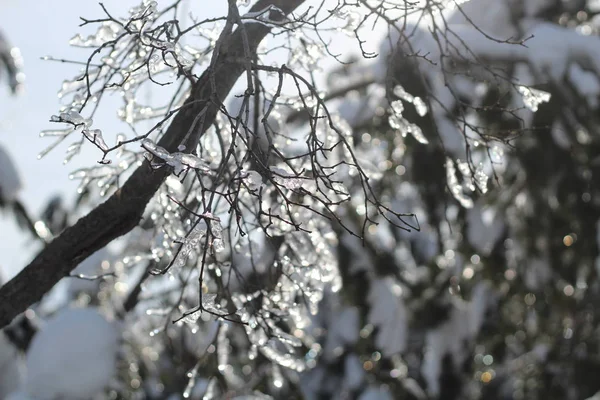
x=484, y=228
x=73, y=357
x=376, y=393
x=10, y=367
x=343, y=331
x=353, y=372
x=389, y=315
x=453, y=336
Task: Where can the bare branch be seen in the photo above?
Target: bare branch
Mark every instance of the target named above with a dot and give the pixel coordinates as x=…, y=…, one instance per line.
x=124, y=209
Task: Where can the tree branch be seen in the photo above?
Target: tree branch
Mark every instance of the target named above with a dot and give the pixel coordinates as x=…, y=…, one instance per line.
x=124, y=209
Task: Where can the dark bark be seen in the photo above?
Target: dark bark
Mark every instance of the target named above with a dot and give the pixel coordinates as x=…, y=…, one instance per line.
x=124, y=209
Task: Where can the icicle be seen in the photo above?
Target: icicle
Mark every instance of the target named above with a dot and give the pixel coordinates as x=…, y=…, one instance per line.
x=455, y=187
x=397, y=107
x=179, y=161
x=223, y=348
x=72, y=117
x=95, y=136
x=481, y=179
x=403, y=94
x=192, y=375
x=208, y=302
x=400, y=123
x=417, y=133
x=284, y=359
x=210, y=390
x=420, y=106
x=191, y=242
x=281, y=177
x=277, y=377
x=465, y=170
x=106, y=32
x=59, y=132
x=71, y=86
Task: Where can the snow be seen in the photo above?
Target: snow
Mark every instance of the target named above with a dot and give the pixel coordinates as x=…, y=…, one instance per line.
x=10, y=181
x=73, y=357
x=91, y=266
x=553, y=48
x=585, y=83
x=594, y=397
x=11, y=373
x=388, y=312
x=452, y=336
x=358, y=108
x=484, y=30
x=343, y=331
x=492, y=17
x=484, y=228
x=376, y=393
x=353, y=372
x=389, y=315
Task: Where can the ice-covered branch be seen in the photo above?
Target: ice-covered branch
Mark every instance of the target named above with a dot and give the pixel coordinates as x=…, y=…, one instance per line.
x=124, y=209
